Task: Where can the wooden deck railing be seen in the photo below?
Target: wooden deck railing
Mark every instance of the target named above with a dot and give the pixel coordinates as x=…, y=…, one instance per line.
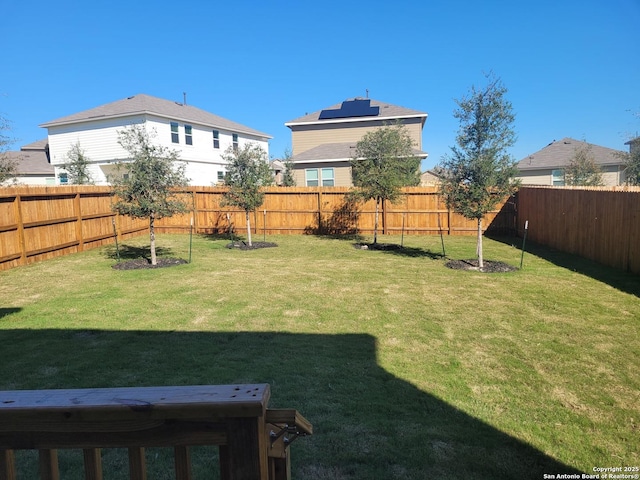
x=253, y=440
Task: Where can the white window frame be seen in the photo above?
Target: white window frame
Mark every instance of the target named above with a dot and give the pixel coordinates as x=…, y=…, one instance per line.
x=557, y=177
x=307, y=179
x=216, y=139
x=188, y=134
x=326, y=180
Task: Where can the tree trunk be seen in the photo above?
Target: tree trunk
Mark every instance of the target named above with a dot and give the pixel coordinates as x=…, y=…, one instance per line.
x=479, y=247
x=248, y=229
x=375, y=223
x=152, y=239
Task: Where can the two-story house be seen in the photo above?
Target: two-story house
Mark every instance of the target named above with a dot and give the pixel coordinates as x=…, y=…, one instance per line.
x=323, y=142
x=199, y=136
x=547, y=166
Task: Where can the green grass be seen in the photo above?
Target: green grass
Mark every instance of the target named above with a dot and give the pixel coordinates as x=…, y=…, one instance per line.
x=407, y=369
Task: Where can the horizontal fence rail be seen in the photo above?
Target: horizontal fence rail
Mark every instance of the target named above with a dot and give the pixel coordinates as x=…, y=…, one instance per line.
x=253, y=440
x=38, y=223
x=601, y=224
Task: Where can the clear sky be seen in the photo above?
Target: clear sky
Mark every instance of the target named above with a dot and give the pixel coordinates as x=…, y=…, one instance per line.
x=571, y=67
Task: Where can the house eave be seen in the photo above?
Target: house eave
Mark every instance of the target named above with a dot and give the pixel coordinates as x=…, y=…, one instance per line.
x=48, y=125
x=354, y=120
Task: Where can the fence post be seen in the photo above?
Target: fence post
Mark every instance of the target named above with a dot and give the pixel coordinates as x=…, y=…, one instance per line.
x=19, y=220
x=78, y=208
x=320, y=227
x=195, y=208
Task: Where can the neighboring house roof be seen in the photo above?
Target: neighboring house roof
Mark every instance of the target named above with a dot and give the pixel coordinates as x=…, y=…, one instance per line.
x=146, y=104
x=336, y=152
x=386, y=111
x=430, y=177
x=32, y=159
x=37, y=145
x=559, y=154
x=276, y=165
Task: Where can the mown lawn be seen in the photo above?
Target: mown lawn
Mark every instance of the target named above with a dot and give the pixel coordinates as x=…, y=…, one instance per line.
x=407, y=369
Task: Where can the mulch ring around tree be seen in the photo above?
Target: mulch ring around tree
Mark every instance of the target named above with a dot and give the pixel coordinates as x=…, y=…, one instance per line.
x=143, y=263
x=490, y=266
x=241, y=245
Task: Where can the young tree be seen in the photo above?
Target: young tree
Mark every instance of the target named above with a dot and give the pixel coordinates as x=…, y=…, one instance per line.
x=145, y=189
x=287, y=176
x=8, y=165
x=631, y=161
x=479, y=171
x=384, y=163
x=77, y=166
x=247, y=172
x=583, y=171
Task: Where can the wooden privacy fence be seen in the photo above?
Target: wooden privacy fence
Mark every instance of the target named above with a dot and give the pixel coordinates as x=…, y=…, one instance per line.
x=602, y=224
x=38, y=223
x=253, y=440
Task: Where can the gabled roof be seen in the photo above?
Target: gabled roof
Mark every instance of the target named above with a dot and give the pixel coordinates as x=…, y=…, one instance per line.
x=336, y=152
x=386, y=111
x=559, y=154
x=37, y=145
x=31, y=162
x=146, y=104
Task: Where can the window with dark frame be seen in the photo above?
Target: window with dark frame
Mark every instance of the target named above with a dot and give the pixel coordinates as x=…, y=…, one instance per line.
x=188, y=134
x=216, y=139
x=175, y=137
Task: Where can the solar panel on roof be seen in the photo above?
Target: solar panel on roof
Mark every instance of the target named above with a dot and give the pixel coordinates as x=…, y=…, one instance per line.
x=351, y=108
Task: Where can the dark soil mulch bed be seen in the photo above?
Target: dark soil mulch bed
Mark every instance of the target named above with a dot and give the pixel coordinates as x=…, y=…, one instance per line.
x=141, y=263
x=489, y=266
x=377, y=246
x=241, y=245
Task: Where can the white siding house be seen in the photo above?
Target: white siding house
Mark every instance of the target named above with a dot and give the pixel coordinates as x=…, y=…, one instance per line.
x=199, y=136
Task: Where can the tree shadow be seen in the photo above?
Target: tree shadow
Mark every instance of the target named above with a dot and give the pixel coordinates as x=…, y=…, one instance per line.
x=131, y=252
x=368, y=423
x=618, y=279
x=343, y=221
x=402, y=251
x=5, y=312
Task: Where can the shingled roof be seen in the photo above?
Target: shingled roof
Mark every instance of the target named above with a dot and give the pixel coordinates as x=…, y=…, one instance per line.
x=558, y=154
x=386, y=111
x=336, y=152
x=146, y=104
x=32, y=159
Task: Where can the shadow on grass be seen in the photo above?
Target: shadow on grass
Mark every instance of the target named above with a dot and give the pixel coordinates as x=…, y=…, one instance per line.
x=130, y=252
x=5, y=312
x=402, y=251
x=220, y=236
x=623, y=281
x=368, y=424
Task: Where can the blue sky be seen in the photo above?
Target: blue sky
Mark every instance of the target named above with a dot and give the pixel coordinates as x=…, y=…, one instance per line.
x=570, y=66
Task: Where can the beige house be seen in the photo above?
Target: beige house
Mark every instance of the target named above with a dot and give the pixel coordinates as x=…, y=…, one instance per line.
x=546, y=166
x=430, y=178
x=323, y=142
